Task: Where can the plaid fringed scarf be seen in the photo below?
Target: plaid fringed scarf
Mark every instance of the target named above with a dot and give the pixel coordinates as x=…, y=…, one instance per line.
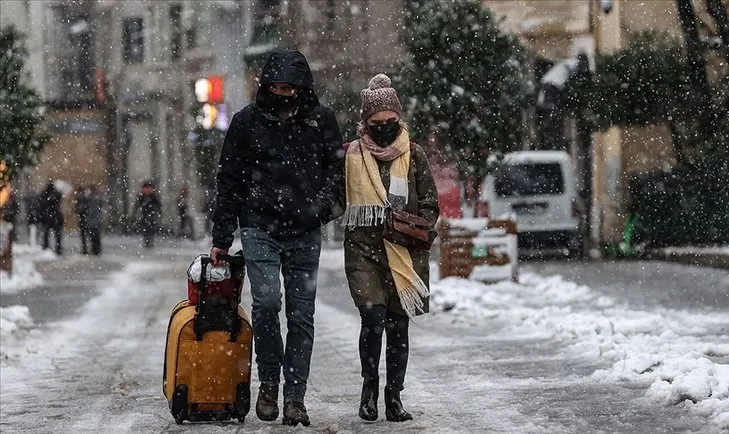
x=367, y=201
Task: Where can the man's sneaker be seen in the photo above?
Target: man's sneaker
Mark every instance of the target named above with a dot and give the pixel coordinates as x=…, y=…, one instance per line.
x=295, y=413
x=267, y=403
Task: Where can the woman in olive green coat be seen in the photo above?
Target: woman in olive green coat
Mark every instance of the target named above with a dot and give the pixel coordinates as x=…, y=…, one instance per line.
x=388, y=283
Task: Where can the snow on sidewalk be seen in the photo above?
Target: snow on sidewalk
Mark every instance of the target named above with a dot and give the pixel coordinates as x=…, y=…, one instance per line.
x=15, y=321
x=24, y=274
x=74, y=374
x=681, y=357
x=713, y=250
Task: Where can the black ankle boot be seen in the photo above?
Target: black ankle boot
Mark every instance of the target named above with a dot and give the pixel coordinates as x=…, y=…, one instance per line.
x=368, y=402
x=267, y=403
x=393, y=406
x=295, y=413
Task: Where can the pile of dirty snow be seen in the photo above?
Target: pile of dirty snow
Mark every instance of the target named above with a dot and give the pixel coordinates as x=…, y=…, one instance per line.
x=33, y=252
x=24, y=274
x=24, y=277
x=682, y=358
x=14, y=321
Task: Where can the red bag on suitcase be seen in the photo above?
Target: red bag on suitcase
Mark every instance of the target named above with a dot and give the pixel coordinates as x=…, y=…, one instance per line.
x=223, y=288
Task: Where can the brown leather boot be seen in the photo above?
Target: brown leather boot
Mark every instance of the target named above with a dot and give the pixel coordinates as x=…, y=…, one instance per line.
x=267, y=403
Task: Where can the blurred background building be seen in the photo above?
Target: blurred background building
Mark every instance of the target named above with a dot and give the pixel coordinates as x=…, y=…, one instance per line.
x=119, y=78
x=556, y=33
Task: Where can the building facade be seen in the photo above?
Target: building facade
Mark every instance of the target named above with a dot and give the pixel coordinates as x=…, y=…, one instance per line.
x=154, y=52
x=557, y=32
x=118, y=77
x=345, y=42
x=61, y=67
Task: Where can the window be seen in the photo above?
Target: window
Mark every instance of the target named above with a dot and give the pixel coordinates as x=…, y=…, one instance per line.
x=175, y=32
x=133, y=40
x=529, y=179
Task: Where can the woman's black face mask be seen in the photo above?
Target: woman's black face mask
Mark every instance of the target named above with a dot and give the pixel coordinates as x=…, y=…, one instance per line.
x=384, y=134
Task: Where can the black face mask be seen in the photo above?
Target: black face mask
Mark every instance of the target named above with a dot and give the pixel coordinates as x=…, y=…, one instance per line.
x=275, y=102
x=384, y=134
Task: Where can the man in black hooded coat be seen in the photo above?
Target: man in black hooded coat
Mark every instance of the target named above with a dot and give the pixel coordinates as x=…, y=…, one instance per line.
x=281, y=161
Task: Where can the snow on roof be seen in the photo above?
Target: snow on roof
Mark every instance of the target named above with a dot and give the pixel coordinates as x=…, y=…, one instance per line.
x=256, y=50
x=532, y=156
x=559, y=74
x=468, y=224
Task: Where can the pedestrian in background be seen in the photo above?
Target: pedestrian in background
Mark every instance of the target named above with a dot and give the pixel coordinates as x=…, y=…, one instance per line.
x=32, y=217
x=81, y=208
x=148, y=212
x=183, y=212
x=94, y=217
x=209, y=208
x=51, y=216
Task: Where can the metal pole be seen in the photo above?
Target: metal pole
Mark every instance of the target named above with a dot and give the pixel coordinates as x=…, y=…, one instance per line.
x=607, y=153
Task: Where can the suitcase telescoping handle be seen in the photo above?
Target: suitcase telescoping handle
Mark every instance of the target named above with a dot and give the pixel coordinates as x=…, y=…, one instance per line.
x=236, y=262
x=205, y=314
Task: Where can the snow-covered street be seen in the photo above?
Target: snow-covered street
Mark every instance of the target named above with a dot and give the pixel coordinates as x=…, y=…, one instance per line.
x=568, y=349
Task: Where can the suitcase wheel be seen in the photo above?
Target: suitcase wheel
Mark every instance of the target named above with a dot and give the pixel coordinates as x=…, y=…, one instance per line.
x=242, y=400
x=179, y=404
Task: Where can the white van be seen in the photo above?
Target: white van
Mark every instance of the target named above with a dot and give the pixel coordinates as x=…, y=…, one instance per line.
x=539, y=189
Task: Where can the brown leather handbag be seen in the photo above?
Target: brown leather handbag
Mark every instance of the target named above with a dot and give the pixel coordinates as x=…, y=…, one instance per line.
x=408, y=230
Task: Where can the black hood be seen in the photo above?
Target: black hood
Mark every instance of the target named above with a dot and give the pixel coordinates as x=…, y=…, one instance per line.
x=289, y=66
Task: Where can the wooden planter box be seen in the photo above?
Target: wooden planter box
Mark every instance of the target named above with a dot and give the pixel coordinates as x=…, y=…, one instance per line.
x=478, y=249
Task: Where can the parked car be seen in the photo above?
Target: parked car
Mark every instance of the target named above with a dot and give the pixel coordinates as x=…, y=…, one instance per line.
x=538, y=188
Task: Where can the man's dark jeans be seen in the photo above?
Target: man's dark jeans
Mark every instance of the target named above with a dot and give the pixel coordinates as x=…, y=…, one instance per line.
x=297, y=259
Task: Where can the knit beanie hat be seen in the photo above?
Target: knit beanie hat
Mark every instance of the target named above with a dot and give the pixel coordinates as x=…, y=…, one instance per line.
x=379, y=96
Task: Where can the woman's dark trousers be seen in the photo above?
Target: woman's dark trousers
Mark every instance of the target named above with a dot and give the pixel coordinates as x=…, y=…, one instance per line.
x=375, y=320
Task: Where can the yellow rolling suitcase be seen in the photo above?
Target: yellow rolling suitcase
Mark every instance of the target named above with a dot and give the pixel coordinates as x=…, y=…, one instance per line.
x=207, y=369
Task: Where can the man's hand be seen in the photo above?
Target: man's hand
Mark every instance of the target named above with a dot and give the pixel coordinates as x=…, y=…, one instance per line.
x=215, y=254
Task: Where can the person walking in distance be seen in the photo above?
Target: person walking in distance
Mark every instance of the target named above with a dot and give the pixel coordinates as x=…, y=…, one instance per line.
x=94, y=204
x=149, y=210
x=280, y=163
x=51, y=216
x=186, y=229
x=81, y=208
